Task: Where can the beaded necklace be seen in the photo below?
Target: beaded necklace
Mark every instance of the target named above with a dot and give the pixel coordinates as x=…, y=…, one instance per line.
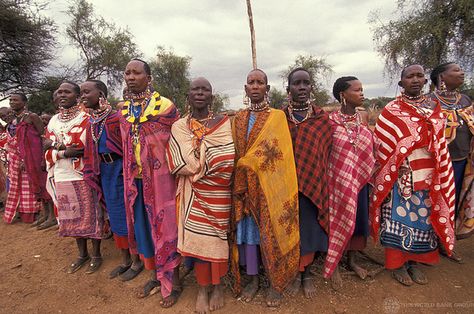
x=292, y=117
x=99, y=117
x=351, y=124
x=137, y=96
x=449, y=103
x=263, y=106
x=201, y=129
x=137, y=110
x=68, y=114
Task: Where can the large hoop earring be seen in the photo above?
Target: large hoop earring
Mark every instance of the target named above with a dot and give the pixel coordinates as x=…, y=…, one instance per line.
x=266, y=98
x=442, y=86
x=187, y=108
x=343, y=102
x=246, y=100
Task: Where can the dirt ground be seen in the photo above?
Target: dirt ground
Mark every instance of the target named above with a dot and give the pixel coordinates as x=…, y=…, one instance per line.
x=33, y=280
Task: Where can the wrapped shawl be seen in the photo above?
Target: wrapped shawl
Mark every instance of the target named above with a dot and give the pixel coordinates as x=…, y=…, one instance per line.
x=91, y=155
x=350, y=168
x=159, y=186
x=399, y=131
x=308, y=137
x=265, y=186
x=203, y=198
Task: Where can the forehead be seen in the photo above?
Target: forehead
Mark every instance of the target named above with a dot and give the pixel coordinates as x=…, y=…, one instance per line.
x=201, y=82
x=414, y=69
x=452, y=66
x=256, y=75
x=299, y=75
x=136, y=65
x=65, y=86
x=88, y=85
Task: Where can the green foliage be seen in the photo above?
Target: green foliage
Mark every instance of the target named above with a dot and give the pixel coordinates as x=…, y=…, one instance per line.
x=171, y=76
x=318, y=69
x=221, y=102
x=105, y=48
x=426, y=32
x=26, y=44
x=41, y=100
x=277, y=98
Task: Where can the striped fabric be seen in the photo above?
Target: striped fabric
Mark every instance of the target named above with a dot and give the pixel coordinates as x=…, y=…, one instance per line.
x=400, y=131
x=204, y=173
x=350, y=168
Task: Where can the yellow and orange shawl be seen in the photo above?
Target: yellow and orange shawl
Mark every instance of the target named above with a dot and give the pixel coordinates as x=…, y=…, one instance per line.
x=266, y=187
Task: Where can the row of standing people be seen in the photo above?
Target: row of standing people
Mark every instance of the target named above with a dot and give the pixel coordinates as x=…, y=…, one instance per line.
x=267, y=191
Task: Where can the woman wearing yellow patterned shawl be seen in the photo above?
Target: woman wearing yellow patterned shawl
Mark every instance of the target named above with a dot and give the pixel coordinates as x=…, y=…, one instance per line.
x=457, y=108
x=264, y=225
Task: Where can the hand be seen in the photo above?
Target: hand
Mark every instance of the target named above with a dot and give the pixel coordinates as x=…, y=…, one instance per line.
x=73, y=152
x=47, y=144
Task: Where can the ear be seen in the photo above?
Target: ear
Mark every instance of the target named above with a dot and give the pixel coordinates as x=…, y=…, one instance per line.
x=150, y=78
x=268, y=88
x=400, y=83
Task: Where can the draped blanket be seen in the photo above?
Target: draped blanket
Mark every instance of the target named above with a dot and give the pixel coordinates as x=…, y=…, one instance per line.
x=350, y=168
x=465, y=217
x=313, y=135
x=31, y=152
x=265, y=186
x=203, y=198
x=399, y=131
x=159, y=186
x=91, y=155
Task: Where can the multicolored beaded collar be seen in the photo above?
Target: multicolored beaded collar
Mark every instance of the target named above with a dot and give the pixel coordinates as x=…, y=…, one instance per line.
x=151, y=108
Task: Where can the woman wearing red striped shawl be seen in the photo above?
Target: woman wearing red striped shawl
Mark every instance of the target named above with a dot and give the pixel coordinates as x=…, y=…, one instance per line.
x=201, y=155
x=103, y=170
x=311, y=138
x=351, y=164
x=458, y=110
x=413, y=199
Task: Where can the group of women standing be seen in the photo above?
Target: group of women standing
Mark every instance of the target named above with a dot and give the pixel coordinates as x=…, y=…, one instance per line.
x=266, y=191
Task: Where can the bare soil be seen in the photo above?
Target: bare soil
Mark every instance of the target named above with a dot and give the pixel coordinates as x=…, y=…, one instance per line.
x=33, y=280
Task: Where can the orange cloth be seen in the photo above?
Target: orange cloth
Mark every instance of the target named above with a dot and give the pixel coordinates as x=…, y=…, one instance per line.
x=306, y=260
x=395, y=258
x=121, y=242
x=209, y=272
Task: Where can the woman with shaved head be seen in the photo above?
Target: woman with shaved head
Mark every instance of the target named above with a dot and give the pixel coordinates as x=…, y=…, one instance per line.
x=413, y=198
x=264, y=224
x=201, y=155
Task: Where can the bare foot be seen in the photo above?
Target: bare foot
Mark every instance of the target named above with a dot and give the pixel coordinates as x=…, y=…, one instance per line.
x=273, y=298
x=361, y=272
x=217, y=298
x=309, y=288
x=250, y=290
x=170, y=300
x=202, y=301
x=336, y=279
x=402, y=276
x=294, y=286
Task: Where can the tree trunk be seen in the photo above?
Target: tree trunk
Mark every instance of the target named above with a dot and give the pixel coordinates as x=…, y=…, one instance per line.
x=252, y=35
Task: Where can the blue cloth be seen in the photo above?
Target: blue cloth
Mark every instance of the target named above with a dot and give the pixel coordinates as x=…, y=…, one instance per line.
x=313, y=238
x=459, y=167
x=142, y=226
x=247, y=229
x=405, y=222
x=362, y=216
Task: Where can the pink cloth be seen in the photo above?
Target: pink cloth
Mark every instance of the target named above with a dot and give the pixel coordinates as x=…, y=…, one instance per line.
x=350, y=168
x=159, y=190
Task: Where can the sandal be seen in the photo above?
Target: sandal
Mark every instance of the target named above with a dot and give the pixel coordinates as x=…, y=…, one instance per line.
x=120, y=269
x=77, y=264
x=131, y=273
x=402, y=276
x=170, y=300
x=417, y=275
x=149, y=288
x=47, y=224
x=94, y=265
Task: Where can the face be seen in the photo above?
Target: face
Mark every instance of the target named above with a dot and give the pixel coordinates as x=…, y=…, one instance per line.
x=354, y=94
x=90, y=95
x=7, y=115
x=200, y=93
x=256, y=87
x=300, y=86
x=135, y=77
x=67, y=96
x=413, y=80
x=16, y=103
x=45, y=118
x=453, y=76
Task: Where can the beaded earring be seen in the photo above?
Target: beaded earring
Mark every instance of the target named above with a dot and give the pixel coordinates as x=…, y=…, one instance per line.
x=266, y=98
x=246, y=100
x=289, y=100
x=343, y=102
x=103, y=102
x=187, y=107
x=442, y=86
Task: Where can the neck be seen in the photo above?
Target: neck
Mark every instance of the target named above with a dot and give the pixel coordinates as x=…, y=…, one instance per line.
x=349, y=110
x=20, y=111
x=200, y=113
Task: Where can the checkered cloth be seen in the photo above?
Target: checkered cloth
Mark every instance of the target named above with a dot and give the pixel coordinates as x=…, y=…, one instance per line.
x=311, y=144
x=20, y=195
x=401, y=129
x=350, y=168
